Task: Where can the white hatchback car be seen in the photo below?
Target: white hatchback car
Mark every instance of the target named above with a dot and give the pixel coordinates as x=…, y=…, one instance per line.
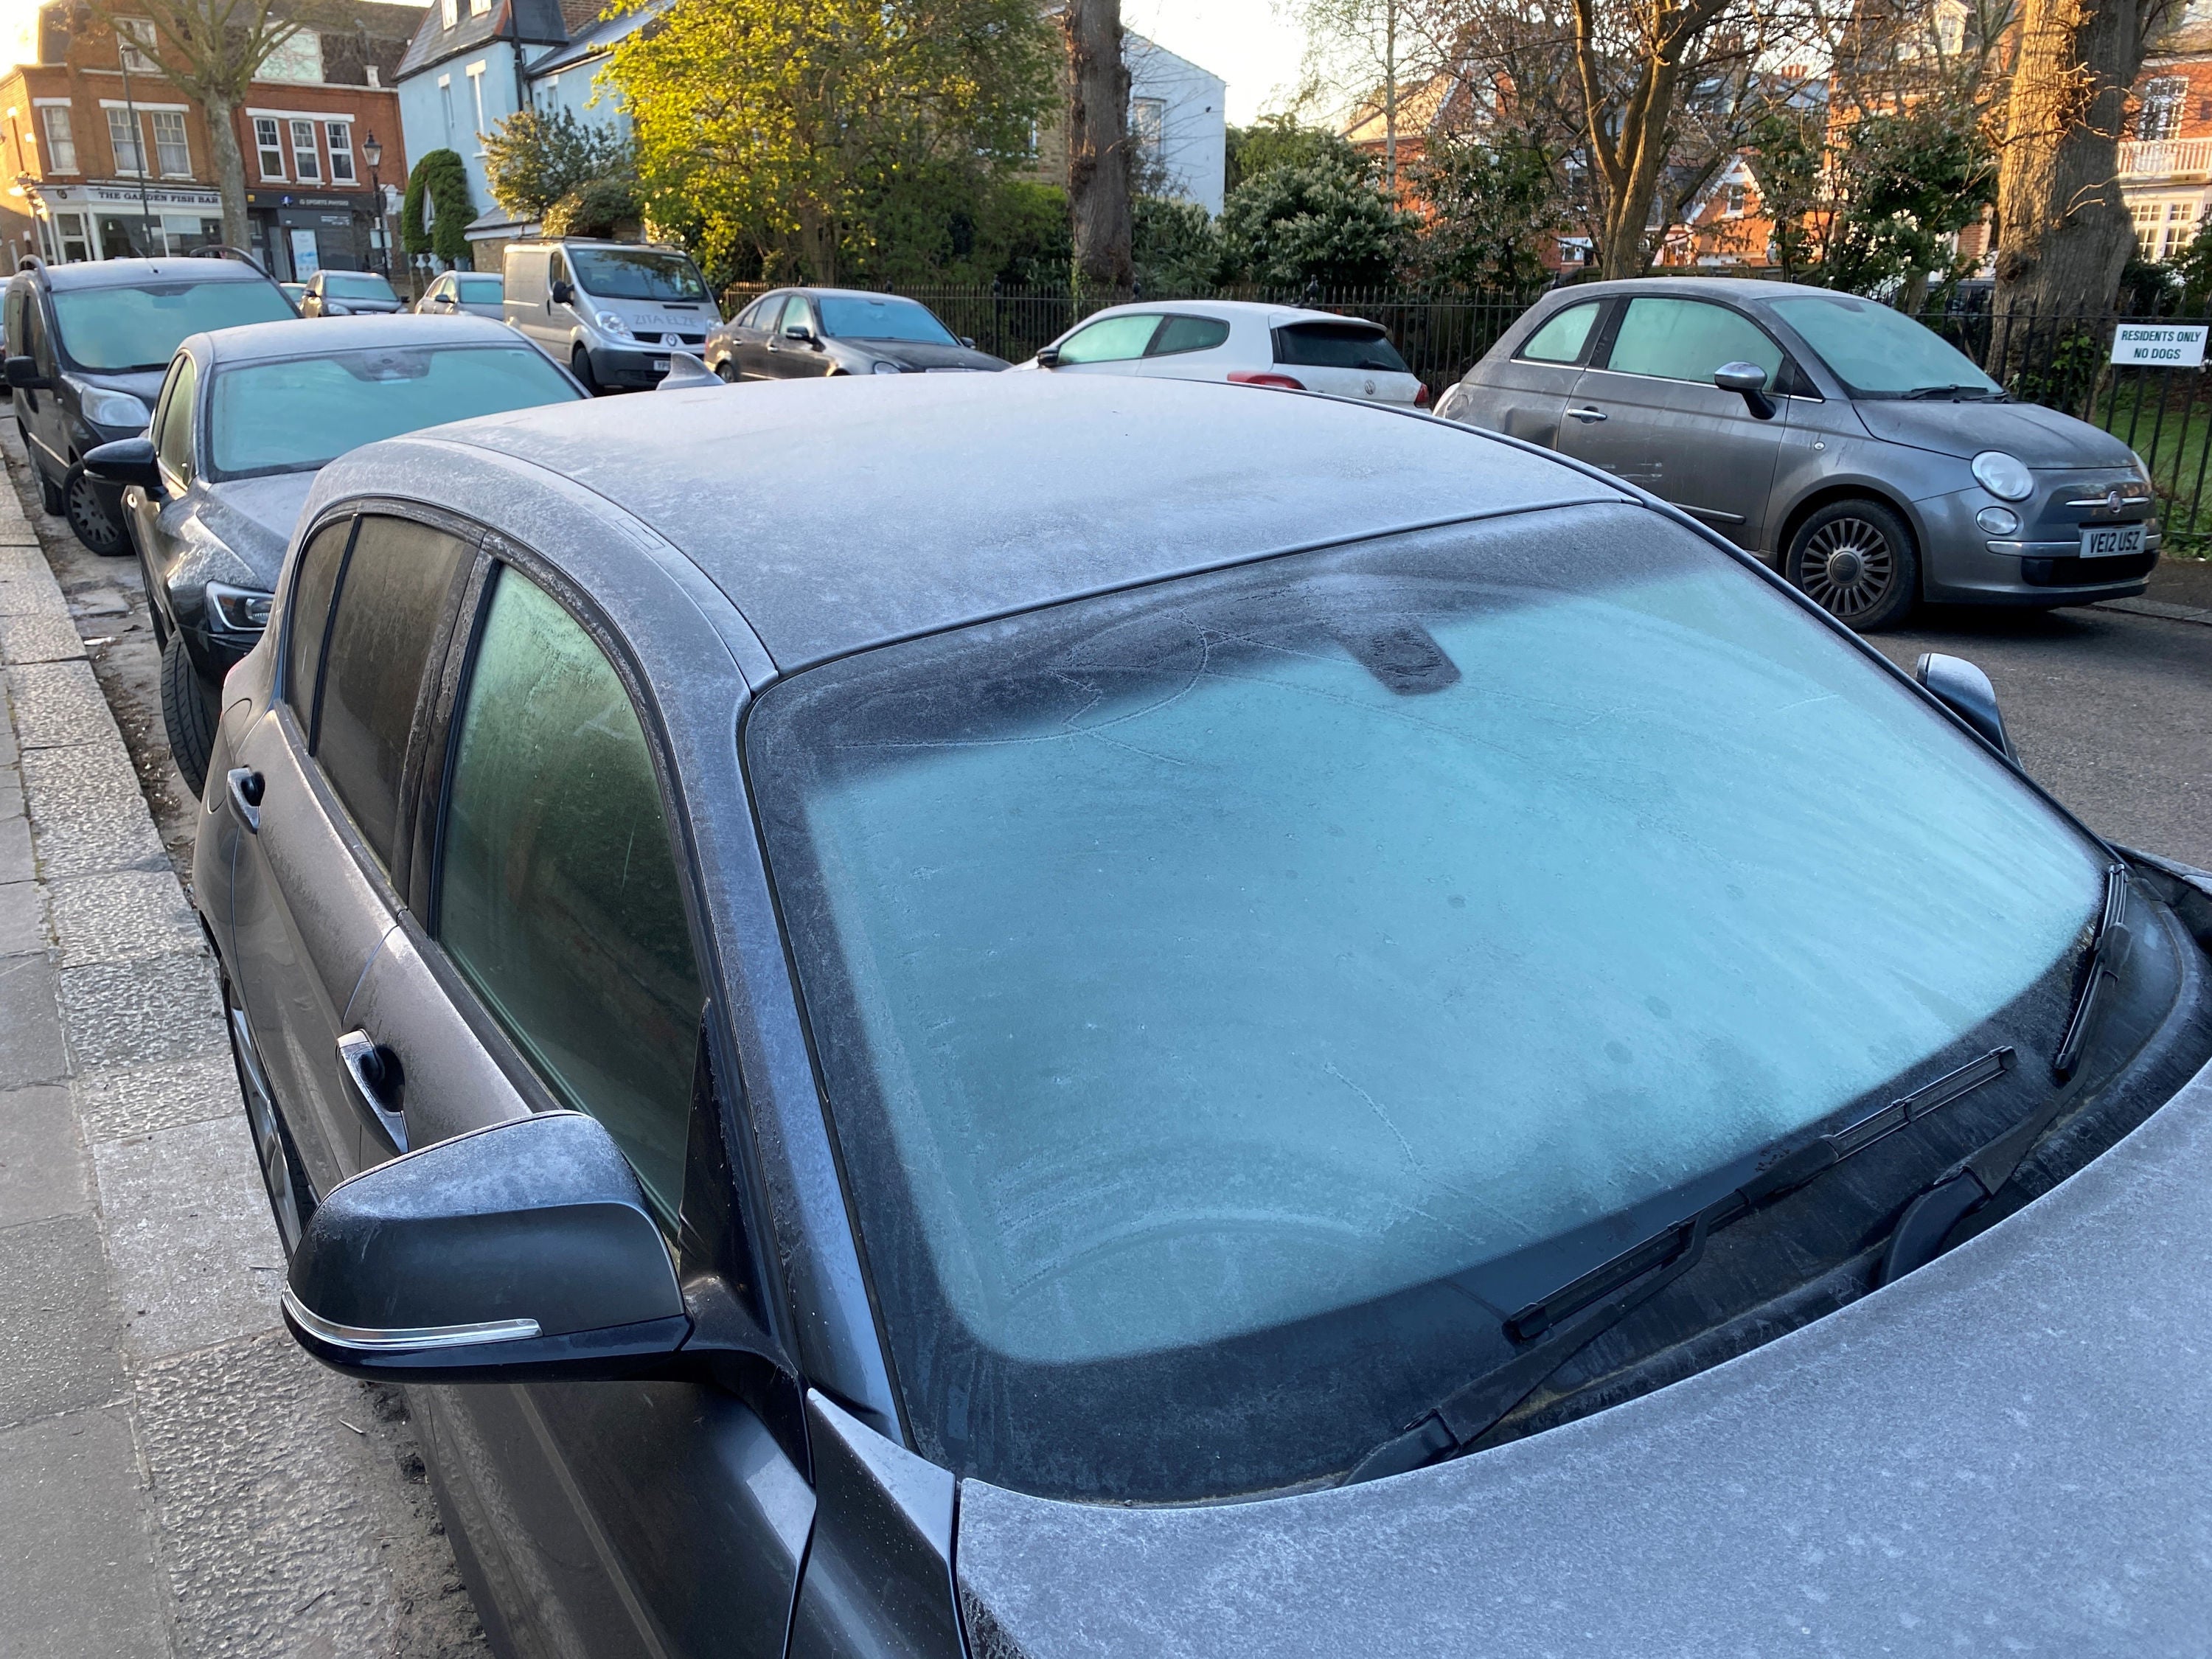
x=1242, y=341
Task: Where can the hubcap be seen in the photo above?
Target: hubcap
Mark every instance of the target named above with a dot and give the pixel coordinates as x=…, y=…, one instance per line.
x=88, y=514
x=1847, y=567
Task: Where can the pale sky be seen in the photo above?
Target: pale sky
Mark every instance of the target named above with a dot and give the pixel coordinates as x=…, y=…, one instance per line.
x=1248, y=42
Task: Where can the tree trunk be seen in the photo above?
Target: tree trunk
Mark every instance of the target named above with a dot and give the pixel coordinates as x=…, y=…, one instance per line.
x=1099, y=149
x=2064, y=233
x=1632, y=182
x=1390, y=98
x=229, y=167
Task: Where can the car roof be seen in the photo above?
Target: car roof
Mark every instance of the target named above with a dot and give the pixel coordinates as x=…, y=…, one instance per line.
x=1702, y=287
x=317, y=336
x=839, y=514
x=129, y=273
x=1257, y=309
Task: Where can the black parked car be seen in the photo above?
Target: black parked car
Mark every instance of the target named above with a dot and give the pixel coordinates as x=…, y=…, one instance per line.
x=798, y=333
x=88, y=345
x=890, y=1033
x=349, y=293
x=246, y=419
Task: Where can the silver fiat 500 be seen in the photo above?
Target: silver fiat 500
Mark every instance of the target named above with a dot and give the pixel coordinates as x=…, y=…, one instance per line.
x=1863, y=453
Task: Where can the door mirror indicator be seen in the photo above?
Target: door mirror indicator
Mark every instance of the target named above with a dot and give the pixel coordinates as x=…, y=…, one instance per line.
x=1963, y=690
x=1750, y=381
x=126, y=462
x=23, y=375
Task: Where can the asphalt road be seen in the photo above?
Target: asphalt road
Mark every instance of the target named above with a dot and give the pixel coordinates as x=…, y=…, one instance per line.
x=2111, y=710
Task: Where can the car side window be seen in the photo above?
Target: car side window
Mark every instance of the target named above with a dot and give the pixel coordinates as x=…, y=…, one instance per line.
x=1688, y=340
x=1110, y=339
x=558, y=896
x=392, y=595
x=173, y=425
x=1180, y=334
x=1565, y=337
x=795, y=314
x=308, y=616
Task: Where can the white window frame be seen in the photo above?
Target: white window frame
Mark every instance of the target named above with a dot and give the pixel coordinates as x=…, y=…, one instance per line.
x=122, y=129
x=132, y=36
x=449, y=13
x=272, y=145
x=338, y=136
x=60, y=146
x=183, y=142
x=445, y=103
x=307, y=160
x=476, y=74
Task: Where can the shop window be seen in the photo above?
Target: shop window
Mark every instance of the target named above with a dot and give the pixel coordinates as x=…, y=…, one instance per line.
x=306, y=165
x=75, y=241
x=61, y=139
x=270, y=142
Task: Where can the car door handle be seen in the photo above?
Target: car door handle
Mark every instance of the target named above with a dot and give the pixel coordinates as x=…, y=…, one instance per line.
x=244, y=786
x=373, y=1073
x=1587, y=415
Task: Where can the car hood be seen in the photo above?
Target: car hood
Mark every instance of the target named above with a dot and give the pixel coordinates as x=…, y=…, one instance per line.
x=254, y=517
x=144, y=385
x=917, y=354
x=2039, y=436
x=2004, y=1451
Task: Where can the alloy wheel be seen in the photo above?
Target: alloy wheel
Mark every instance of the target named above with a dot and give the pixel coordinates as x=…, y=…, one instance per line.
x=96, y=526
x=1847, y=567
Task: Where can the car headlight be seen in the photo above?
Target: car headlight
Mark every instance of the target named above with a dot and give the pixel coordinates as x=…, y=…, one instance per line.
x=2004, y=475
x=887, y=368
x=2142, y=467
x=612, y=324
x=240, y=610
x=103, y=407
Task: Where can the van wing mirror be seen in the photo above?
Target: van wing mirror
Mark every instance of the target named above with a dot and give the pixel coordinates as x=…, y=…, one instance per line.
x=564, y=294
x=23, y=375
x=1963, y=690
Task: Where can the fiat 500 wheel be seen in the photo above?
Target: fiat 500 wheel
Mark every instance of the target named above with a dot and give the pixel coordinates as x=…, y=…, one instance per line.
x=1857, y=562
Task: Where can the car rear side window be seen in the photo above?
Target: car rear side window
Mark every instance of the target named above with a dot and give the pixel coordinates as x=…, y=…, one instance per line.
x=392, y=597
x=1563, y=339
x=1180, y=334
x=1688, y=340
x=558, y=896
x=313, y=583
x=1338, y=346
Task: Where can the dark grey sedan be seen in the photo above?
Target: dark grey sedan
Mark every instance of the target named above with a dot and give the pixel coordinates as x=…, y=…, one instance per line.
x=1867, y=457
x=799, y=333
x=883, y=1038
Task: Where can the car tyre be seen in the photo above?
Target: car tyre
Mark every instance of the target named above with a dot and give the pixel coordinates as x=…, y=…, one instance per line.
x=579, y=365
x=188, y=711
x=727, y=371
x=95, y=519
x=1856, y=561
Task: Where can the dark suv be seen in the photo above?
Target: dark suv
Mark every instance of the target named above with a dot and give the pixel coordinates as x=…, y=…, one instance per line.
x=88, y=345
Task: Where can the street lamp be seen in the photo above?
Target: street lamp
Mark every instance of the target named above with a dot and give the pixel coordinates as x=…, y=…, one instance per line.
x=372, y=152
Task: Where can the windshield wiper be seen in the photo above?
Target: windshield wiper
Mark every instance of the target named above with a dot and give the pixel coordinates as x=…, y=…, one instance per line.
x=1929, y=1219
x=1980, y=394
x=1551, y=1330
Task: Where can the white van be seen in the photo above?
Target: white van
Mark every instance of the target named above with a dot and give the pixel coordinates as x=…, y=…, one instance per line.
x=611, y=311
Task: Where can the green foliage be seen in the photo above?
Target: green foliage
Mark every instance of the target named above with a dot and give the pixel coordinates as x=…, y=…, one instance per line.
x=2148, y=287
x=606, y=207
x=1492, y=205
x=1787, y=158
x=1175, y=245
x=2065, y=375
x=1326, y=221
x=1905, y=184
x=533, y=159
x=852, y=137
x=1279, y=140
x=442, y=178
x=1026, y=232
x=2192, y=268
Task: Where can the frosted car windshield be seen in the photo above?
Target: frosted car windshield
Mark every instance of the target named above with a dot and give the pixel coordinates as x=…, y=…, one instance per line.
x=297, y=415
x=1234, y=993
x=635, y=273
x=1879, y=352
x=111, y=329
x=845, y=317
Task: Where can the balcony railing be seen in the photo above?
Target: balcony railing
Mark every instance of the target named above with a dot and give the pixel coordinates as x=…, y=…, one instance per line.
x=2165, y=158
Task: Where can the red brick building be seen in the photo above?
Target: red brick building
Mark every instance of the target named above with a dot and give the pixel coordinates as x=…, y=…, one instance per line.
x=107, y=160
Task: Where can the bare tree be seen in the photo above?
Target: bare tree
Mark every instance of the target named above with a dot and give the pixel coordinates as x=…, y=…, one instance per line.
x=1098, y=170
x=1365, y=54
x=210, y=51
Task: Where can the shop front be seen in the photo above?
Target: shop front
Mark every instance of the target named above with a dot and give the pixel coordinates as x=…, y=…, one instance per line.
x=296, y=235
x=120, y=220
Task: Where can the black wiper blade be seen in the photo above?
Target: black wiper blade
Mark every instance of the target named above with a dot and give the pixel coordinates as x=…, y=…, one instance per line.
x=1931, y=1217
x=1551, y=1330
x=1921, y=392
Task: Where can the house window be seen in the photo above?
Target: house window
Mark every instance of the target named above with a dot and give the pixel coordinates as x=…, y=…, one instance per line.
x=134, y=38
x=306, y=166
x=2160, y=114
x=448, y=13
x=1146, y=119
x=478, y=7
x=1951, y=28
x=172, y=151
x=1735, y=200
x=297, y=58
x=475, y=73
x=61, y=139
x=122, y=138
x=340, y=135
x=271, y=144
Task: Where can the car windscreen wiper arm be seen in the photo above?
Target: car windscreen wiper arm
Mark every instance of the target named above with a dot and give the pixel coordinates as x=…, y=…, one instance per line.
x=1929, y=1219
x=1551, y=1330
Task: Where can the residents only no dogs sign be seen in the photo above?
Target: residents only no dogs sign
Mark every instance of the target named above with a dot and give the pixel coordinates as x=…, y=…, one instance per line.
x=2159, y=345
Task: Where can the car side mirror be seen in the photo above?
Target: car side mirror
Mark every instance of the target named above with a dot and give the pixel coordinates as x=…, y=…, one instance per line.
x=520, y=1252
x=1750, y=381
x=1049, y=357
x=126, y=461
x=1963, y=690
x=23, y=375
x=564, y=293
x=968, y=341
x=800, y=332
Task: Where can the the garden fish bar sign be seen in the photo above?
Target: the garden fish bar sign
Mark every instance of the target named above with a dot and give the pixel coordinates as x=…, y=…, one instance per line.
x=2159, y=345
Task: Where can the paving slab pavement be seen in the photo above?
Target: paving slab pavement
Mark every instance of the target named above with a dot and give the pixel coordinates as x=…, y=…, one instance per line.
x=176, y=1479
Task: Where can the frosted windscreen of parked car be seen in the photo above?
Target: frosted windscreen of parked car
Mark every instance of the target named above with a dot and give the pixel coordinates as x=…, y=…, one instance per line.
x=1877, y=351
x=302, y=413
x=114, y=330
x=850, y=317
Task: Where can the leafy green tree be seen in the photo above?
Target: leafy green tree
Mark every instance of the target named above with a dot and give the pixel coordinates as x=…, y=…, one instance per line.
x=532, y=160
x=1326, y=222
x=1491, y=206
x=442, y=180
x=1177, y=247
x=1906, y=183
x=793, y=132
x=1276, y=141
x=606, y=207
